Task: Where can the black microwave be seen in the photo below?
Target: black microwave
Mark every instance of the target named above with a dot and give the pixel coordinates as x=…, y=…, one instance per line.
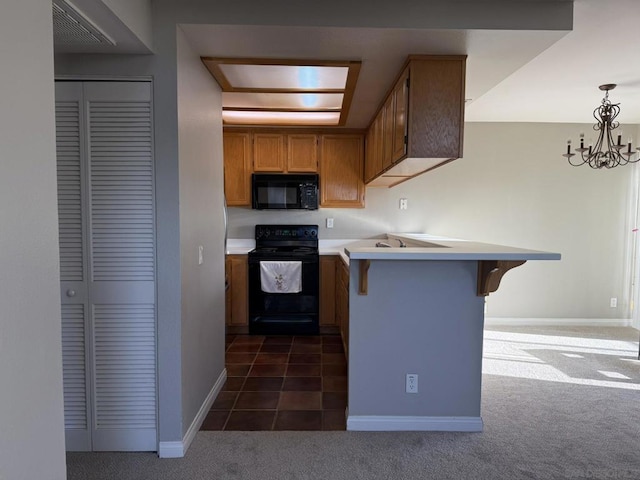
x=279, y=191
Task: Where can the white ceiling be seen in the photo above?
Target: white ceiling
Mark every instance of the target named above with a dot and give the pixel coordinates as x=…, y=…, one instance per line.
x=492, y=55
x=561, y=84
x=512, y=76
x=102, y=16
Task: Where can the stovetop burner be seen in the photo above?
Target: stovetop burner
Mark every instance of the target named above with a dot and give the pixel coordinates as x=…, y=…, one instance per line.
x=281, y=240
x=288, y=249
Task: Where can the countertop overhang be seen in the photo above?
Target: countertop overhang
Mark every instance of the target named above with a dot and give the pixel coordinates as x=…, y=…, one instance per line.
x=432, y=247
x=493, y=260
x=419, y=249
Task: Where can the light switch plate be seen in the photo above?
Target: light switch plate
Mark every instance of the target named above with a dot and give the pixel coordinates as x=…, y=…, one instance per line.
x=200, y=254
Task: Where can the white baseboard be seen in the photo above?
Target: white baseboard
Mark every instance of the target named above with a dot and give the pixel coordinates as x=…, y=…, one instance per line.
x=170, y=450
x=178, y=449
x=576, y=322
x=389, y=423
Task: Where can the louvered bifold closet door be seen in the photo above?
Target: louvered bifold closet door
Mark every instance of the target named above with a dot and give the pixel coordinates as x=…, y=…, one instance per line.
x=73, y=272
x=122, y=265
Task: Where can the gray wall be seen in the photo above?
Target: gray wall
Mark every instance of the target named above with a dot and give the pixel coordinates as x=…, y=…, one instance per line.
x=31, y=409
x=512, y=187
x=433, y=14
x=417, y=317
x=201, y=220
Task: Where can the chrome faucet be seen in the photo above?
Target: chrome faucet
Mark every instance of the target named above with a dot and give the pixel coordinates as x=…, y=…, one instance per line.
x=383, y=244
x=386, y=245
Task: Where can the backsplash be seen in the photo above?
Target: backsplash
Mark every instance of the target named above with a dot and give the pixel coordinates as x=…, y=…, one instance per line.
x=381, y=215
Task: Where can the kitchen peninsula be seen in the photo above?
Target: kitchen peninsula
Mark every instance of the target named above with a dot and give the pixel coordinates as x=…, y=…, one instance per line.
x=419, y=310
x=416, y=309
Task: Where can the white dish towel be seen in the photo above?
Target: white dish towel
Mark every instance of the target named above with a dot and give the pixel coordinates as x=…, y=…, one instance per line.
x=281, y=277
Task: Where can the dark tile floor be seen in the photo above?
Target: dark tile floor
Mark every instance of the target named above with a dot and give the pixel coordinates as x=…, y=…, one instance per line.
x=282, y=383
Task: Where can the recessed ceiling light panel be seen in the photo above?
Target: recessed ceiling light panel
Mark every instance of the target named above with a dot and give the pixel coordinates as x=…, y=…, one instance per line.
x=283, y=101
x=236, y=117
x=292, y=77
x=284, y=92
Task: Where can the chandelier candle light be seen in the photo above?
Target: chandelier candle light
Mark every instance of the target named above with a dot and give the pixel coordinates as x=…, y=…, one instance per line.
x=605, y=153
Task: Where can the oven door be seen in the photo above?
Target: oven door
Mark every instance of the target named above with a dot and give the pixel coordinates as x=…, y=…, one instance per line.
x=285, y=313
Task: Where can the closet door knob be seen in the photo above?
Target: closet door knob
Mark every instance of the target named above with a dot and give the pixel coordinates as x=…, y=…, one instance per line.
x=71, y=293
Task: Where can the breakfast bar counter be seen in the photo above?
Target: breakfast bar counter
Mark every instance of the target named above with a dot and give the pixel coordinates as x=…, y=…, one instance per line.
x=418, y=311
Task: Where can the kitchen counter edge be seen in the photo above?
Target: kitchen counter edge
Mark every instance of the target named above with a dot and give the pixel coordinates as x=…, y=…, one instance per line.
x=431, y=247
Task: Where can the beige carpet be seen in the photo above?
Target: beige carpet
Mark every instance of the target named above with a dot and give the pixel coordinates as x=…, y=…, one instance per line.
x=558, y=403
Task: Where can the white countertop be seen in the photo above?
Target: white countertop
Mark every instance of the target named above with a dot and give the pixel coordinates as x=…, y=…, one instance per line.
x=243, y=246
x=431, y=247
x=240, y=246
x=420, y=246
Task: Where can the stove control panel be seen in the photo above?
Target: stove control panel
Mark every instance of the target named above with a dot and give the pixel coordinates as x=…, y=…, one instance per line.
x=286, y=232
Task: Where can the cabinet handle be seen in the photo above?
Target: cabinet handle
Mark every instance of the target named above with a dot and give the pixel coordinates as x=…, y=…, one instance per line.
x=71, y=293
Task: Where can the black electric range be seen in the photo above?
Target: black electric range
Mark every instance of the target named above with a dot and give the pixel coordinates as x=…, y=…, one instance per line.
x=295, y=313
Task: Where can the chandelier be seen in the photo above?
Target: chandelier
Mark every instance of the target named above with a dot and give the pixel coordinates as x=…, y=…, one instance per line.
x=605, y=153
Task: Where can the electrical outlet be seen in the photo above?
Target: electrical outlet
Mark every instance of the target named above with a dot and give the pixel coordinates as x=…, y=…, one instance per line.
x=614, y=302
x=403, y=204
x=412, y=383
x=329, y=222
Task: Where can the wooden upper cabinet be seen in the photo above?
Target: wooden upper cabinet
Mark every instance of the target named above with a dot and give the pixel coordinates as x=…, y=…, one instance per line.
x=436, y=107
x=268, y=152
x=339, y=158
x=388, y=131
x=341, y=171
x=370, y=170
x=237, y=168
x=400, y=98
x=285, y=153
x=302, y=153
x=373, y=149
x=423, y=119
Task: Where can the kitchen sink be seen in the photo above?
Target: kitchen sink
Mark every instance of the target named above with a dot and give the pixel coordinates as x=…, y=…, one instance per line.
x=393, y=243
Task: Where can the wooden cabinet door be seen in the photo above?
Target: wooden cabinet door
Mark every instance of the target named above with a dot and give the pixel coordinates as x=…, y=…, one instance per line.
x=400, y=106
x=387, y=133
x=373, y=149
x=268, y=152
x=436, y=99
x=237, y=168
x=239, y=290
x=302, y=153
x=370, y=170
x=227, y=293
x=378, y=147
x=327, y=290
x=342, y=301
x=341, y=171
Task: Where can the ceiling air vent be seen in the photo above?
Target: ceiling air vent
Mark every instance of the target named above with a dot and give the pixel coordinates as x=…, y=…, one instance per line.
x=71, y=27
